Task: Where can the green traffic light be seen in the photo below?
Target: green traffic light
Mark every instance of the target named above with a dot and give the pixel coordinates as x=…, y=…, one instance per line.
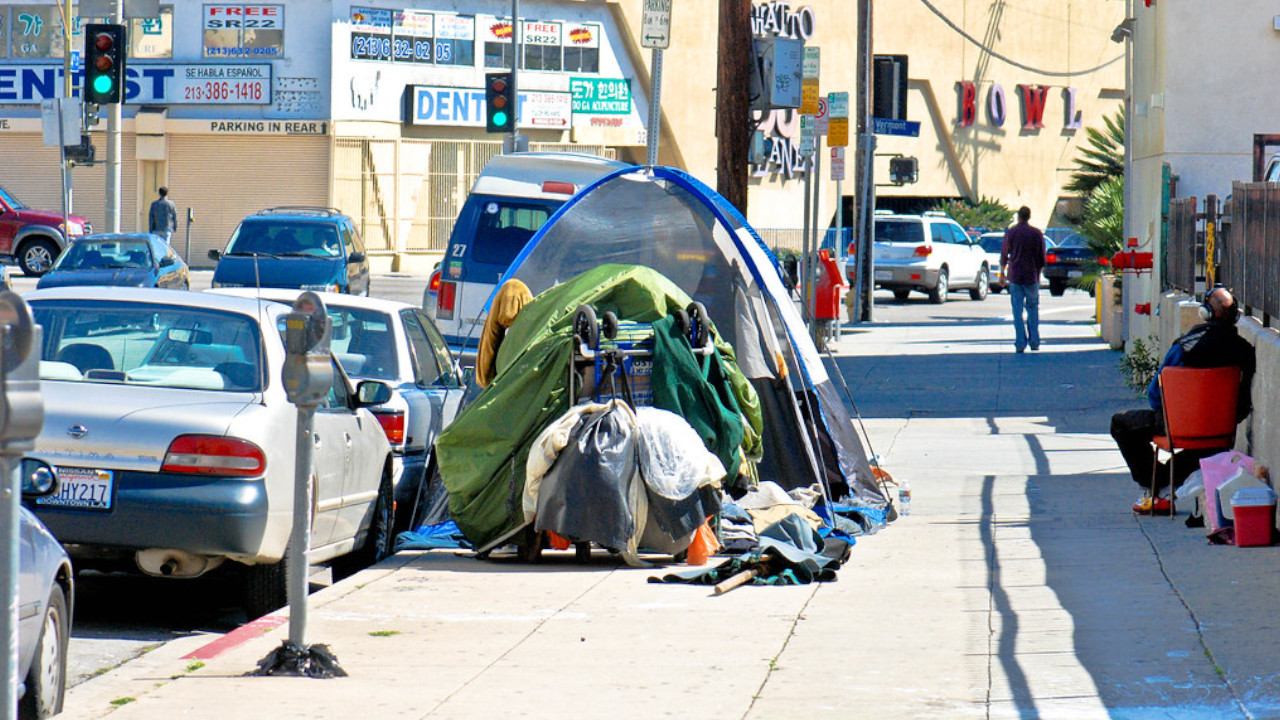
x=102, y=84
x=499, y=118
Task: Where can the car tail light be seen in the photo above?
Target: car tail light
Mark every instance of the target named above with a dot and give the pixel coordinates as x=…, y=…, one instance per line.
x=434, y=283
x=852, y=249
x=445, y=297
x=214, y=455
x=1051, y=258
x=560, y=188
x=923, y=250
x=392, y=422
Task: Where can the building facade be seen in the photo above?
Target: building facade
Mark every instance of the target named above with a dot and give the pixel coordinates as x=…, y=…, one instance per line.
x=377, y=108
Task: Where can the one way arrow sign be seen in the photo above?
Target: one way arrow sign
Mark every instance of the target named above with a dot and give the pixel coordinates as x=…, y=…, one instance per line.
x=656, y=24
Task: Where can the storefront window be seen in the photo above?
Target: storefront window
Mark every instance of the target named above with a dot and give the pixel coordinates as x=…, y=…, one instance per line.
x=243, y=31
x=35, y=32
x=4, y=34
x=371, y=33
x=455, y=40
x=541, y=45
x=498, y=47
x=149, y=38
x=582, y=48
x=412, y=37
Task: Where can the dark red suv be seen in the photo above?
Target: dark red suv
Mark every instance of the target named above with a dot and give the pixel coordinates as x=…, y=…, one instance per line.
x=34, y=237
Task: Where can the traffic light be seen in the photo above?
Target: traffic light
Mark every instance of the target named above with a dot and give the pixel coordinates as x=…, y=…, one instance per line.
x=499, y=103
x=105, y=48
x=903, y=170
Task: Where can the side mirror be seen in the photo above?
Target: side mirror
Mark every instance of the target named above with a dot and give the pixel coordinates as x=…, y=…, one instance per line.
x=356, y=257
x=468, y=376
x=38, y=478
x=166, y=261
x=372, y=392
x=215, y=254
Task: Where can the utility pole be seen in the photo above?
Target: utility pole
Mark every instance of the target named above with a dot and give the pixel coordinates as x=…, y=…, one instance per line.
x=863, y=177
x=515, y=66
x=113, y=137
x=733, y=106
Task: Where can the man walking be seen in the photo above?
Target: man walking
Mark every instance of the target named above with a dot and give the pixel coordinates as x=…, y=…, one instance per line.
x=1021, y=259
x=163, y=218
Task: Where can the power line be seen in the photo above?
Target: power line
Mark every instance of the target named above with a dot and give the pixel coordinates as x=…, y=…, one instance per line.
x=1011, y=61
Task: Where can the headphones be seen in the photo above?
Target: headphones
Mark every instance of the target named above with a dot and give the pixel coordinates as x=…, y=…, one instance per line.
x=1206, y=311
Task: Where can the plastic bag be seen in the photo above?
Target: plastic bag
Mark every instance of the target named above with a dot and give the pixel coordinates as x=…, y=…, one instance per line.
x=1217, y=470
x=586, y=495
x=673, y=459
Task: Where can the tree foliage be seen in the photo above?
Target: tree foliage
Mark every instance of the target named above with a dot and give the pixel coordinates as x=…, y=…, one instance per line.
x=1101, y=157
x=986, y=213
x=1102, y=226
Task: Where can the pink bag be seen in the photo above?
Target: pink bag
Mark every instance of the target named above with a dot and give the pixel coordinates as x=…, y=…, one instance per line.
x=1217, y=469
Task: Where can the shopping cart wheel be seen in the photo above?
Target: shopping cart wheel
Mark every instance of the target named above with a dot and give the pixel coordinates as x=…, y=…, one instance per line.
x=609, y=324
x=582, y=552
x=682, y=322
x=701, y=324
x=585, y=327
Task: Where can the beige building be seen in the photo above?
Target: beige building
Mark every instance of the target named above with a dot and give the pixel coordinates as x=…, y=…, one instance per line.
x=377, y=107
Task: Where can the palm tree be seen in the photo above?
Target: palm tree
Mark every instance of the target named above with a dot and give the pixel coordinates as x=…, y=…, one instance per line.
x=1102, y=226
x=1101, y=158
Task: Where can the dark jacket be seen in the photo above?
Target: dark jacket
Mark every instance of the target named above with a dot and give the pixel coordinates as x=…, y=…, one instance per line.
x=1023, y=253
x=163, y=216
x=1210, y=345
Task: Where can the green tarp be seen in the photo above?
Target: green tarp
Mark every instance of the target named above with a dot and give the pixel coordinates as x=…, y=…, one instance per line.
x=481, y=455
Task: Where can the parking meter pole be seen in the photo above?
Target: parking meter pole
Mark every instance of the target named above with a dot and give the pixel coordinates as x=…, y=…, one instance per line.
x=21, y=416
x=655, y=110
x=300, y=540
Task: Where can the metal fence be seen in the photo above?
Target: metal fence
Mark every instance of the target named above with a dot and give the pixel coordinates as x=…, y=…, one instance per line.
x=1250, y=247
x=1183, y=248
x=793, y=239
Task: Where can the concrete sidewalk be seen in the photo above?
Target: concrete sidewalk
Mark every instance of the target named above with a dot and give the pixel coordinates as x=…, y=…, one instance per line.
x=1021, y=586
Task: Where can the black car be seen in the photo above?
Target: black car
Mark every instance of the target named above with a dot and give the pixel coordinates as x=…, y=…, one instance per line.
x=302, y=248
x=121, y=259
x=1064, y=263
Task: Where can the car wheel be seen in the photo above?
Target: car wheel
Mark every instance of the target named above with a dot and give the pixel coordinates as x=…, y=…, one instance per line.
x=377, y=542
x=46, y=681
x=901, y=295
x=36, y=257
x=266, y=587
x=979, y=292
x=938, y=294
x=1057, y=287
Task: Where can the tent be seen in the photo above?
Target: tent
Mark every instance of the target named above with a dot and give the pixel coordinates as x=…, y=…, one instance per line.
x=665, y=219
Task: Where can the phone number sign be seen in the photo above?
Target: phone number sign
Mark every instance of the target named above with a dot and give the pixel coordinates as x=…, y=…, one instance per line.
x=221, y=85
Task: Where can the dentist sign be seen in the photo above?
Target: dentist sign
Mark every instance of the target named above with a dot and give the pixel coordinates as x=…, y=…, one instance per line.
x=205, y=84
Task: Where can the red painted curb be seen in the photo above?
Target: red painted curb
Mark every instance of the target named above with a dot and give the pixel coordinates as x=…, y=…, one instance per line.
x=237, y=637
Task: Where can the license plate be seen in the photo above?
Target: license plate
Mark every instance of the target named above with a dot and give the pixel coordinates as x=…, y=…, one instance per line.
x=884, y=274
x=83, y=488
x=1074, y=273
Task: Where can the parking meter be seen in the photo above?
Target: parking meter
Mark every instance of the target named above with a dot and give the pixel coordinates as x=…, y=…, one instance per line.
x=21, y=417
x=308, y=372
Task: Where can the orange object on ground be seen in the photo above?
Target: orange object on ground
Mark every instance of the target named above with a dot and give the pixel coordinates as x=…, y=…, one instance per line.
x=558, y=542
x=704, y=545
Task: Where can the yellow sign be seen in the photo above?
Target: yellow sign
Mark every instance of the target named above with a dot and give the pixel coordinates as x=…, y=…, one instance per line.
x=1210, y=250
x=809, y=96
x=837, y=132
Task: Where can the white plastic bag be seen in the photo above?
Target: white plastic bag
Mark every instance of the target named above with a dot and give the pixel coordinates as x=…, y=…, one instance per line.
x=673, y=459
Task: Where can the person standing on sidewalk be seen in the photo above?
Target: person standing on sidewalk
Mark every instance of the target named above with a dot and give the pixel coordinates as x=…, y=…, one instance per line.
x=163, y=218
x=1021, y=259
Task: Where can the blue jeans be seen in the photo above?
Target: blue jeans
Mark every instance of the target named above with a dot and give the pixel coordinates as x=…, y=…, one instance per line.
x=1028, y=297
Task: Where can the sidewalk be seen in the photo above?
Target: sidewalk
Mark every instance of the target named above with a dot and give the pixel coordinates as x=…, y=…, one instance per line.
x=1021, y=586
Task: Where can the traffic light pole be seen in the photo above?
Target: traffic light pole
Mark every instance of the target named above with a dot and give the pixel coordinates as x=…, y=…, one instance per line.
x=113, y=141
x=865, y=208
x=515, y=65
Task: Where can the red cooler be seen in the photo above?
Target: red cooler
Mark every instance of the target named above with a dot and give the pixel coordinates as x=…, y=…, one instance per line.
x=1255, y=511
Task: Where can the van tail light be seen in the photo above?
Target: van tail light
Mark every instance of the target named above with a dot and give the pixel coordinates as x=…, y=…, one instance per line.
x=392, y=422
x=214, y=455
x=923, y=251
x=434, y=283
x=559, y=188
x=445, y=298
x=1051, y=258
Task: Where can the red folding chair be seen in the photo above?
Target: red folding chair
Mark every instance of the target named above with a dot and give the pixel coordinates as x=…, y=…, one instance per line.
x=1199, y=414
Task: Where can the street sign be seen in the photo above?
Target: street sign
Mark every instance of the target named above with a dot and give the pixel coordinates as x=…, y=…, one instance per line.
x=809, y=81
x=885, y=126
x=655, y=24
x=837, y=163
x=806, y=135
x=838, y=132
x=839, y=102
x=820, y=120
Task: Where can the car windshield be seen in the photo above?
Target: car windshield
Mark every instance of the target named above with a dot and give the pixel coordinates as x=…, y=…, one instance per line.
x=903, y=231
x=11, y=201
x=1073, y=241
x=992, y=243
x=148, y=344
x=505, y=227
x=274, y=237
x=363, y=342
x=90, y=254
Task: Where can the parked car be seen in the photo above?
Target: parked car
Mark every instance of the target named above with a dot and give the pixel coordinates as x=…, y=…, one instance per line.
x=303, y=248
x=991, y=243
x=46, y=596
x=35, y=237
x=125, y=259
x=1065, y=261
x=930, y=253
x=398, y=344
x=514, y=195
x=174, y=440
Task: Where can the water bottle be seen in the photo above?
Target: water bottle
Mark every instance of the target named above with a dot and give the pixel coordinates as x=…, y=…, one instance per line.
x=904, y=498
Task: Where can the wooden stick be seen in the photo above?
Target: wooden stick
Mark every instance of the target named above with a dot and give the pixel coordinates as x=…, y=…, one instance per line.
x=741, y=578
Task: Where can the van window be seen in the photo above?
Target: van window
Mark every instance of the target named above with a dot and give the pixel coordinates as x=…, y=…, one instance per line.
x=505, y=226
x=907, y=231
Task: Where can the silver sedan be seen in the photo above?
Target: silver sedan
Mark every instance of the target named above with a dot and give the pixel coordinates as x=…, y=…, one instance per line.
x=173, y=437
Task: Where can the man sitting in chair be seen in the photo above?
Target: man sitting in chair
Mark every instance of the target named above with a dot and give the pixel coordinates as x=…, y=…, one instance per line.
x=1210, y=344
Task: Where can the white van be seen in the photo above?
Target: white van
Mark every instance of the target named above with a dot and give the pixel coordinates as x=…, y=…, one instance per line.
x=514, y=195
